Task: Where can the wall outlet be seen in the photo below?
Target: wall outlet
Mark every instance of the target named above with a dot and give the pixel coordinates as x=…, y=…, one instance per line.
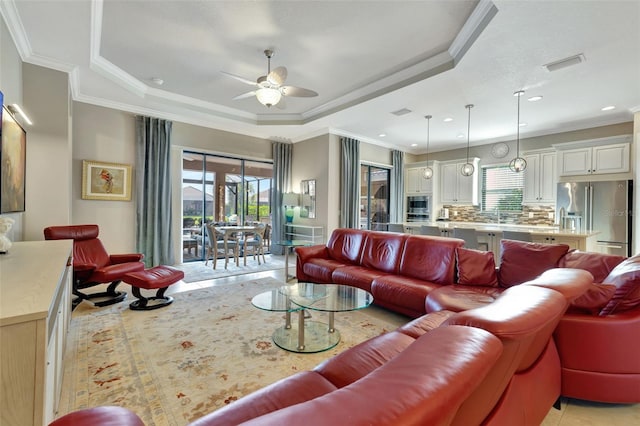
x=455, y=212
x=530, y=215
x=550, y=215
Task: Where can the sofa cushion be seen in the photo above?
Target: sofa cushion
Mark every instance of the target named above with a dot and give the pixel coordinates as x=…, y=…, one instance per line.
x=593, y=300
x=345, y=245
x=320, y=270
x=356, y=276
x=406, y=293
x=430, y=258
x=382, y=251
x=626, y=278
x=459, y=298
x=476, y=267
x=523, y=261
x=599, y=264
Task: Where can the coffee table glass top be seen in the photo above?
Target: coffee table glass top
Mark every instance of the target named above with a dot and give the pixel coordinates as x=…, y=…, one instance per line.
x=274, y=300
x=327, y=297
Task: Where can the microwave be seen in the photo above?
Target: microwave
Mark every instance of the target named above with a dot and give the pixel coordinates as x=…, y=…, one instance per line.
x=418, y=208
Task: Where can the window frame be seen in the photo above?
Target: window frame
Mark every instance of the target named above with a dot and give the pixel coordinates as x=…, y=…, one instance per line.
x=506, y=191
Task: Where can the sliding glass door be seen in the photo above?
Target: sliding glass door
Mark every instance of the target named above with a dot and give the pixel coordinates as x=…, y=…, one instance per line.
x=222, y=190
x=374, y=197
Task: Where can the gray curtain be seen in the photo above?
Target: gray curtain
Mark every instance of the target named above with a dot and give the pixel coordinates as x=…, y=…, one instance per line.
x=153, y=190
x=350, y=184
x=397, y=187
x=282, y=162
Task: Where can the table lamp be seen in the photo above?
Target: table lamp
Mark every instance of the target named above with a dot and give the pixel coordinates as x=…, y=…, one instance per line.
x=289, y=200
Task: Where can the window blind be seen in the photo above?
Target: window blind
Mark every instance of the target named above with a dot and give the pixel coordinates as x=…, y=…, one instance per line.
x=501, y=189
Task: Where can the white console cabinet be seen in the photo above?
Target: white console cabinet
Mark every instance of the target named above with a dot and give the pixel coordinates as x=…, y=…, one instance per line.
x=35, y=310
x=311, y=233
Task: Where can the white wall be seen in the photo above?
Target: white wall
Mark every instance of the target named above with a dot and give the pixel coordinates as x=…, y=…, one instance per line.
x=636, y=195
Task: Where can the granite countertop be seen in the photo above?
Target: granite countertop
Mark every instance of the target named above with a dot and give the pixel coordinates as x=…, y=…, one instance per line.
x=499, y=227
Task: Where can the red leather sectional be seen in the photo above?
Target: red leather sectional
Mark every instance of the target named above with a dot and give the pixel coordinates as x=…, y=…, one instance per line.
x=598, y=339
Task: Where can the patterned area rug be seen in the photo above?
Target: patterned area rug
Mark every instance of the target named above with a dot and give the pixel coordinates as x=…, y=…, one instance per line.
x=207, y=349
x=198, y=271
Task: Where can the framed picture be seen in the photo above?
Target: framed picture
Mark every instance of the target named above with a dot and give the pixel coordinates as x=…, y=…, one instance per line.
x=13, y=161
x=106, y=181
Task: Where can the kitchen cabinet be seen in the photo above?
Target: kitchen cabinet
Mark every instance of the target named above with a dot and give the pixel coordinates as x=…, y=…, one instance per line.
x=456, y=188
x=490, y=239
x=574, y=242
x=35, y=310
x=415, y=183
x=594, y=160
x=540, y=178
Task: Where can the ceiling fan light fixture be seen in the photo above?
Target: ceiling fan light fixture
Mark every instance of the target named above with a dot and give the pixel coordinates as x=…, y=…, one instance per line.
x=268, y=96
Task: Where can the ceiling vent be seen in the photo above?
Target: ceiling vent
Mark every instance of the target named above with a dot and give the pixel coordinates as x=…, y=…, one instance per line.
x=403, y=111
x=564, y=63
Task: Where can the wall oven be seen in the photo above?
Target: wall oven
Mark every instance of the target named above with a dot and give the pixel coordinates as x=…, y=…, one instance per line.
x=418, y=208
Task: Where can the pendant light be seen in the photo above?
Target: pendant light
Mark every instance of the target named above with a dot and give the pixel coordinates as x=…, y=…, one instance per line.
x=518, y=164
x=468, y=168
x=427, y=173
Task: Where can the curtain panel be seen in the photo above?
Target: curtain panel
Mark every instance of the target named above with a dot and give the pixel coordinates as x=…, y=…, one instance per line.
x=153, y=191
x=350, y=188
x=397, y=186
x=282, y=163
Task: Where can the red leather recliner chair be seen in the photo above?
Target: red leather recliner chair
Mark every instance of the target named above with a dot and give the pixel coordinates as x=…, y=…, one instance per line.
x=92, y=265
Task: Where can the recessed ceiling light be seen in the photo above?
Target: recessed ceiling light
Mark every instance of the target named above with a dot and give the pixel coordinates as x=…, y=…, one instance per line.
x=414, y=145
x=382, y=135
x=157, y=80
x=535, y=98
x=608, y=108
x=460, y=135
x=448, y=119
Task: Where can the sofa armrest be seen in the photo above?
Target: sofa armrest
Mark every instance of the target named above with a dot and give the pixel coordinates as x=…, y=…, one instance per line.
x=125, y=258
x=308, y=252
x=607, y=344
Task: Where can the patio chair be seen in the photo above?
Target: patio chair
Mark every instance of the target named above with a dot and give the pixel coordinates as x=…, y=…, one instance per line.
x=221, y=244
x=253, y=241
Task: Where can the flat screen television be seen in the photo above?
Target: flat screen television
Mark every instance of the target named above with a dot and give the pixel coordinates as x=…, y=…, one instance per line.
x=13, y=162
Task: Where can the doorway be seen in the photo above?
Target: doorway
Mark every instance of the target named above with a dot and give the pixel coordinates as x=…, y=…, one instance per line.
x=221, y=190
x=374, y=197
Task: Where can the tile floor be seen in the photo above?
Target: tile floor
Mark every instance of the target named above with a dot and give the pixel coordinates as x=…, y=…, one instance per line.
x=573, y=412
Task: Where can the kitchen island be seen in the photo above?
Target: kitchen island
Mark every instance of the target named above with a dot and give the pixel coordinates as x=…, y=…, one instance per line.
x=491, y=234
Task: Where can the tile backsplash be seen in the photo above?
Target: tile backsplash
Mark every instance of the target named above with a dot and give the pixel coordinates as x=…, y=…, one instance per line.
x=530, y=215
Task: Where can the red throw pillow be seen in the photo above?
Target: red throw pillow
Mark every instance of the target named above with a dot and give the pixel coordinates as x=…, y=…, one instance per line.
x=599, y=264
x=476, y=267
x=593, y=300
x=626, y=278
x=522, y=261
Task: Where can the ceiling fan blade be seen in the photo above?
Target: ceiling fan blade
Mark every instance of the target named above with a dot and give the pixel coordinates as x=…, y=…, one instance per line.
x=298, y=92
x=242, y=79
x=277, y=76
x=245, y=95
x=281, y=104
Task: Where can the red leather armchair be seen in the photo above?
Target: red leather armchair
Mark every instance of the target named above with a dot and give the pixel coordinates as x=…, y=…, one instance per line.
x=92, y=265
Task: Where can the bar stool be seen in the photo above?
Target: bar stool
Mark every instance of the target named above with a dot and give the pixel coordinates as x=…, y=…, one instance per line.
x=517, y=235
x=430, y=230
x=470, y=237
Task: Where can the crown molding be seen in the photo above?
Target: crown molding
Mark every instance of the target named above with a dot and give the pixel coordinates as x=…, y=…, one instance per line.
x=472, y=28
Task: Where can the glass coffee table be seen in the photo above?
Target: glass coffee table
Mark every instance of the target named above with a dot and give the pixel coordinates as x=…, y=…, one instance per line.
x=310, y=336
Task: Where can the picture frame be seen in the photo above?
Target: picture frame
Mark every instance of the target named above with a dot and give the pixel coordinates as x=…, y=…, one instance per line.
x=106, y=181
x=13, y=158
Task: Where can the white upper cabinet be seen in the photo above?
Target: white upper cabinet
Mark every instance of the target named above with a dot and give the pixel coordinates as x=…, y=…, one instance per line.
x=456, y=188
x=593, y=158
x=415, y=183
x=540, y=178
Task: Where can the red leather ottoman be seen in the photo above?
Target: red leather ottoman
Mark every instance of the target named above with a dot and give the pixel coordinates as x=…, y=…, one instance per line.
x=159, y=277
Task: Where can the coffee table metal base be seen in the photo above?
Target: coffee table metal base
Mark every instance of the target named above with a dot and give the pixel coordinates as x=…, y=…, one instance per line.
x=316, y=337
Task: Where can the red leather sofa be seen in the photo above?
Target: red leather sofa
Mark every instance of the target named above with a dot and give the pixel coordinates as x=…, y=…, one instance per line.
x=597, y=339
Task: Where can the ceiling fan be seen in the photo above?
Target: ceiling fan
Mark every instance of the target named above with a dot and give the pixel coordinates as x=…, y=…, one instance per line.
x=270, y=88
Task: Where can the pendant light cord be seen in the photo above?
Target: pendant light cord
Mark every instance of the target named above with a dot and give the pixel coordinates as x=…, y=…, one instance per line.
x=428, y=117
x=468, y=128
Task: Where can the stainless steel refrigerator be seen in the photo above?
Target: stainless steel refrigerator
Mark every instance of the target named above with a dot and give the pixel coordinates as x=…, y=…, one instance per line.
x=598, y=206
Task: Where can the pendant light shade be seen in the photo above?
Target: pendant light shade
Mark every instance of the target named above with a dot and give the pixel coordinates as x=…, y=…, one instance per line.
x=427, y=173
x=518, y=164
x=468, y=168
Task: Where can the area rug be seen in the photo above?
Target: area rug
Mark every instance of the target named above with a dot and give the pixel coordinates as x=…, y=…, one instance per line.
x=176, y=364
x=198, y=271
